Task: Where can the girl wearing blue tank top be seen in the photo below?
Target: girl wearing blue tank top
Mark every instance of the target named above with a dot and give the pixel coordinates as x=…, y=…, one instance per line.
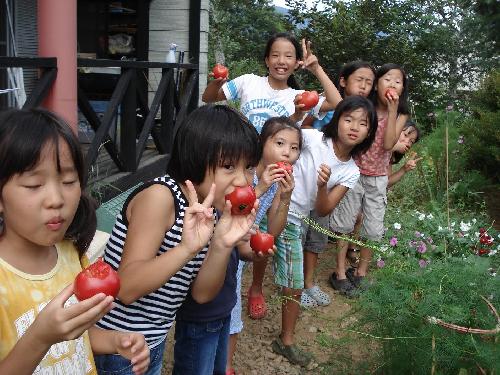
x=166, y=241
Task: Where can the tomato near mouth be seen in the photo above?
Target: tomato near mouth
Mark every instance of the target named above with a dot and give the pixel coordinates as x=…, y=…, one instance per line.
x=99, y=277
x=309, y=99
x=390, y=94
x=242, y=200
x=261, y=242
x=220, y=71
x=285, y=166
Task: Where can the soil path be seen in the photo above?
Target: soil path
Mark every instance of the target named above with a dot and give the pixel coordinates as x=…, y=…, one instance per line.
x=317, y=330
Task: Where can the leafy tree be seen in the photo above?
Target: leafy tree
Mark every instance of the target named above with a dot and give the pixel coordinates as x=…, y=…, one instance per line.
x=239, y=31
x=441, y=44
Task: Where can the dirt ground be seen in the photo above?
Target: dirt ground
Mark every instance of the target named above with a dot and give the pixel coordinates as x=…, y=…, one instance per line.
x=316, y=330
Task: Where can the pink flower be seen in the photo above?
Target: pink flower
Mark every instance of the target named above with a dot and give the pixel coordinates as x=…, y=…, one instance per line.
x=421, y=248
x=393, y=241
x=417, y=233
x=423, y=263
x=380, y=263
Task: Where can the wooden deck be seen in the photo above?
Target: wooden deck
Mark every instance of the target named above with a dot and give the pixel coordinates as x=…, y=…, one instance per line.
x=106, y=181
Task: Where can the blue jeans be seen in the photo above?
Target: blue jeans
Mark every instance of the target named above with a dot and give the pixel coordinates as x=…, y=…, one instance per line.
x=201, y=348
x=114, y=364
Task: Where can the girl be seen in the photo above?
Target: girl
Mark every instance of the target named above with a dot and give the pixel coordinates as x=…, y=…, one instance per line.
x=369, y=195
x=282, y=141
x=356, y=78
x=277, y=94
x=46, y=225
x=409, y=136
x=323, y=173
x=163, y=235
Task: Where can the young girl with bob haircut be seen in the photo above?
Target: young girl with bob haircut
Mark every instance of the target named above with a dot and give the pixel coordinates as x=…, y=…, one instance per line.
x=369, y=195
x=278, y=93
x=324, y=172
x=282, y=141
x=46, y=225
x=167, y=244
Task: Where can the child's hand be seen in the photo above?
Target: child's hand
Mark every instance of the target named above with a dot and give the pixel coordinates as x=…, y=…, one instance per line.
x=299, y=109
x=310, y=61
x=412, y=162
x=270, y=175
x=261, y=256
x=287, y=183
x=324, y=173
x=232, y=229
x=198, y=220
x=392, y=101
x=57, y=323
x=217, y=81
x=133, y=346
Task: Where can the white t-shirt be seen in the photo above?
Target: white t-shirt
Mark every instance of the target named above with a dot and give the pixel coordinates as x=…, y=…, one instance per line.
x=317, y=150
x=259, y=101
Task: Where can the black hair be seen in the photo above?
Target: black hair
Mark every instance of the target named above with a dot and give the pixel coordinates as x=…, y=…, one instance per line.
x=403, y=99
x=350, y=68
x=348, y=105
x=209, y=136
x=275, y=124
x=292, y=81
x=397, y=156
x=23, y=135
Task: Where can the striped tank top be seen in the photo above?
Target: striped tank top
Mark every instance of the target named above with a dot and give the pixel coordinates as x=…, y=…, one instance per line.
x=153, y=314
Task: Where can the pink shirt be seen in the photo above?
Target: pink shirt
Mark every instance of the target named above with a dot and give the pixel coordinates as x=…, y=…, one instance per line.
x=375, y=161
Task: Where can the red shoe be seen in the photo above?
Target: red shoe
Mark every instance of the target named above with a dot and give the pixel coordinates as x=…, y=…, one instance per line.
x=257, y=308
x=230, y=371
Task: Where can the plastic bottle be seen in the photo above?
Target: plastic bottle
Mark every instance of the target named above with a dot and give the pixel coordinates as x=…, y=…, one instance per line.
x=171, y=53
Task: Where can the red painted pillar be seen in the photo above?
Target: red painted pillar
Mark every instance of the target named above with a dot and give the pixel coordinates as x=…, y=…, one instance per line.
x=57, y=38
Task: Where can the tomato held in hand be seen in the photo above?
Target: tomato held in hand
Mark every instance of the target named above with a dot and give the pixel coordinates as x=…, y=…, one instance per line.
x=309, y=99
x=242, y=200
x=285, y=166
x=390, y=94
x=220, y=71
x=261, y=242
x=99, y=277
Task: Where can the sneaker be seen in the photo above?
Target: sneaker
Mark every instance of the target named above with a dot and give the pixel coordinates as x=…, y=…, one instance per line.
x=292, y=352
x=355, y=280
x=321, y=298
x=307, y=301
x=344, y=286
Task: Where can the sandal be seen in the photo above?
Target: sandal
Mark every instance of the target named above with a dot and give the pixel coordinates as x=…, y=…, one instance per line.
x=344, y=286
x=256, y=306
x=321, y=298
x=353, y=278
x=292, y=352
x=307, y=301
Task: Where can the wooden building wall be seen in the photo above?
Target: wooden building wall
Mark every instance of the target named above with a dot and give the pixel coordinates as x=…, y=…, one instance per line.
x=169, y=23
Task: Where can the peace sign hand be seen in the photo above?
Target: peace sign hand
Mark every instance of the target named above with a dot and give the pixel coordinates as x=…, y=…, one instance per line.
x=198, y=220
x=310, y=61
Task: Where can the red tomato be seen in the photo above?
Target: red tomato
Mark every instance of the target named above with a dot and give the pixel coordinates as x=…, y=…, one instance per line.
x=261, y=242
x=99, y=277
x=483, y=251
x=390, y=93
x=285, y=165
x=242, y=200
x=220, y=71
x=309, y=99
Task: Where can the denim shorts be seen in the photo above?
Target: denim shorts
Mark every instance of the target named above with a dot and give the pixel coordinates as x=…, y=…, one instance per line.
x=115, y=364
x=201, y=348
